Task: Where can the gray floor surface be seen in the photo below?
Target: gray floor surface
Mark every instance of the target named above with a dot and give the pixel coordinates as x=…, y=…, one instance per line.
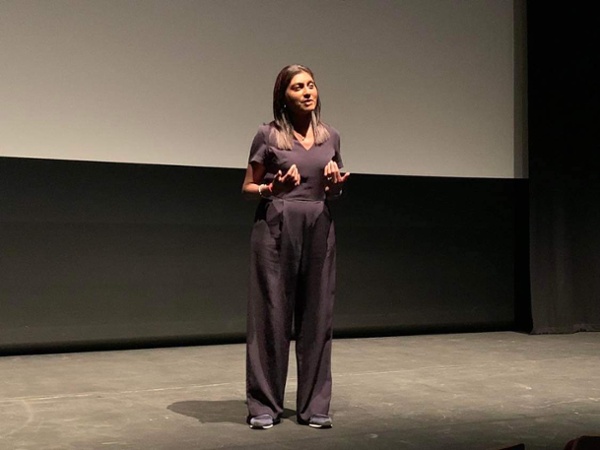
x=453, y=391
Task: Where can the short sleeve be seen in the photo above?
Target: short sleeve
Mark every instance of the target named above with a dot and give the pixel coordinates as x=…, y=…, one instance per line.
x=259, y=147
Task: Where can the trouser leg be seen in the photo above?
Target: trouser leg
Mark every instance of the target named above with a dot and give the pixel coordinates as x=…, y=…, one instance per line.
x=314, y=320
x=269, y=318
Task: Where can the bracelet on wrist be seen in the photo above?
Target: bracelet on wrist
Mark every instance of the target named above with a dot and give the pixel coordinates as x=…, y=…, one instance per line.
x=262, y=188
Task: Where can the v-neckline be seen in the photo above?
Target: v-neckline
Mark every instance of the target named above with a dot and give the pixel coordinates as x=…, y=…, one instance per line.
x=302, y=145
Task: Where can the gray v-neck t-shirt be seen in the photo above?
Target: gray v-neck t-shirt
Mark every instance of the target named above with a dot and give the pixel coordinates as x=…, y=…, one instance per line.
x=310, y=163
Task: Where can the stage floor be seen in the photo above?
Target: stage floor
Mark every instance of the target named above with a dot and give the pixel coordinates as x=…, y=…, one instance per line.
x=451, y=391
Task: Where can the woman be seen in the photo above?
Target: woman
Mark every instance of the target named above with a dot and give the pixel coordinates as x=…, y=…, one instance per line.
x=294, y=166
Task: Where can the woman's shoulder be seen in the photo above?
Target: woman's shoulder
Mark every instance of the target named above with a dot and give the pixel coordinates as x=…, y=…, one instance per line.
x=334, y=135
x=264, y=136
x=332, y=131
x=264, y=131
x=266, y=127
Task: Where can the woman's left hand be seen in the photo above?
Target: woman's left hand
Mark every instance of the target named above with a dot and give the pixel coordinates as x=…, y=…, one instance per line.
x=333, y=177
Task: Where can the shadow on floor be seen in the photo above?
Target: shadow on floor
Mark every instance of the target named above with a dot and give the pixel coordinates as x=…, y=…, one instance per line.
x=218, y=411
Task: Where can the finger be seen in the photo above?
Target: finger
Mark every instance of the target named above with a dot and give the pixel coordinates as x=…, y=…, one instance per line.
x=296, y=177
x=329, y=171
x=289, y=174
x=298, y=174
x=333, y=169
x=335, y=173
x=294, y=174
x=344, y=177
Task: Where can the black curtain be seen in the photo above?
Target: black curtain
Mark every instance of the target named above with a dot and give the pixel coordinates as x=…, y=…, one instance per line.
x=564, y=176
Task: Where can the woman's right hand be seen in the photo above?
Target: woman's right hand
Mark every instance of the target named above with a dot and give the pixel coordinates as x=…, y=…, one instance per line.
x=287, y=182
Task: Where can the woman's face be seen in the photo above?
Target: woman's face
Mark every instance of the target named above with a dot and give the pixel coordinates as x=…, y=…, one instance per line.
x=301, y=94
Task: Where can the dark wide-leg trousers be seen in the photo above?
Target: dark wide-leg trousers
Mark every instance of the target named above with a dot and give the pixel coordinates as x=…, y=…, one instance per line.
x=292, y=284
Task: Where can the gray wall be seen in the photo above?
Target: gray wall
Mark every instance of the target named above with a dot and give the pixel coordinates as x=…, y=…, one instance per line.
x=416, y=87
x=119, y=255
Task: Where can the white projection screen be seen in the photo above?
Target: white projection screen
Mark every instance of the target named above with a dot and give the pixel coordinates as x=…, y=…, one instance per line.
x=415, y=87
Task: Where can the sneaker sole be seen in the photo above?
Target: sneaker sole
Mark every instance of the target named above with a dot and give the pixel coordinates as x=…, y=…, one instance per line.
x=256, y=427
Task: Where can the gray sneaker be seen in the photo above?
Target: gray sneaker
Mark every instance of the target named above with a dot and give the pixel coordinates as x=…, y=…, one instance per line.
x=320, y=421
x=262, y=422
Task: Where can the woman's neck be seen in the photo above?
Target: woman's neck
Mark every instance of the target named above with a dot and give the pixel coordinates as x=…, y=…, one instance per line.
x=302, y=124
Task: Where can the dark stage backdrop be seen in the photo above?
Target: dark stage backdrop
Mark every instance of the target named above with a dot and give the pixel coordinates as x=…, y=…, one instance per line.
x=105, y=254
x=564, y=169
